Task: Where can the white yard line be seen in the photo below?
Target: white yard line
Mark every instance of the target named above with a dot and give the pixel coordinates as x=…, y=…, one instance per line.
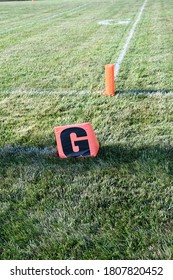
x=37, y=92
x=82, y=92
x=53, y=16
x=126, y=45
x=42, y=20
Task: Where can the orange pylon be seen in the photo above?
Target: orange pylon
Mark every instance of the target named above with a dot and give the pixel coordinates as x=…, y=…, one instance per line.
x=109, y=79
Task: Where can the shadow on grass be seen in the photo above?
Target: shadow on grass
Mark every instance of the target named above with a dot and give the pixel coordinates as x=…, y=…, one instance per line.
x=36, y=191
x=145, y=91
x=108, y=156
x=156, y=154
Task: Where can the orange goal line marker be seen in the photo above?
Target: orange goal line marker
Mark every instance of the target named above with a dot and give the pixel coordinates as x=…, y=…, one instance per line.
x=109, y=80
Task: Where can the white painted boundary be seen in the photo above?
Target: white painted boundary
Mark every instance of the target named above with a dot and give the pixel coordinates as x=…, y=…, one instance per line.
x=42, y=20
x=126, y=45
x=37, y=92
x=84, y=92
x=59, y=14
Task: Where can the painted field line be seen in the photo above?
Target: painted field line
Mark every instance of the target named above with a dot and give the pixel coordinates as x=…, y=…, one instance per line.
x=84, y=92
x=37, y=92
x=42, y=20
x=53, y=16
x=126, y=45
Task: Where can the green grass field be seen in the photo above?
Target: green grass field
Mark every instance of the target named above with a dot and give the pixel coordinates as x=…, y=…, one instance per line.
x=118, y=205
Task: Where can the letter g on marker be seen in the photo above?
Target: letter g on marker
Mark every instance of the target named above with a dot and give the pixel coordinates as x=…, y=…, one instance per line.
x=77, y=140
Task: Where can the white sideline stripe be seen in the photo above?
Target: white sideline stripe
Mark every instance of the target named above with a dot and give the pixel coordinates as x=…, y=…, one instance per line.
x=63, y=92
x=125, y=47
x=28, y=150
x=42, y=20
x=83, y=92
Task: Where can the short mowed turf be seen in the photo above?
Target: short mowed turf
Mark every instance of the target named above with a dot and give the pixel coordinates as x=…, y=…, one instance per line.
x=118, y=205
